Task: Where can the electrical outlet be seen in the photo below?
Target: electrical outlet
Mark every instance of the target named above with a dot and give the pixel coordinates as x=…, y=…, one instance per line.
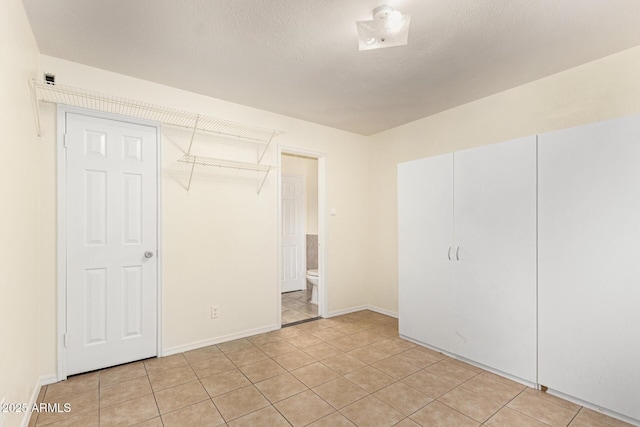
x=215, y=312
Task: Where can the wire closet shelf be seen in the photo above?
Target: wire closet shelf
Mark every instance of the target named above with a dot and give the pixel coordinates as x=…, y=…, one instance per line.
x=76, y=97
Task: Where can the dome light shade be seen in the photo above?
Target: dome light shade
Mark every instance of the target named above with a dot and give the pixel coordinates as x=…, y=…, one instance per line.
x=387, y=29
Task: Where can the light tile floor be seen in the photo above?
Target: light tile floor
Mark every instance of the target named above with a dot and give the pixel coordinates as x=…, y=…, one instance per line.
x=344, y=371
x=296, y=307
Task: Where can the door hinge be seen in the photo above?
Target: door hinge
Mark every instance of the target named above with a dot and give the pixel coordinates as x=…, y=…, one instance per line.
x=64, y=340
x=64, y=140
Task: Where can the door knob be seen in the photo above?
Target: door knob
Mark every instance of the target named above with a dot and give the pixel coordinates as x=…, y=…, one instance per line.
x=148, y=254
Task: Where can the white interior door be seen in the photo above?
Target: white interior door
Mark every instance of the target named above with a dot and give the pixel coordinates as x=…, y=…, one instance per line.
x=425, y=233
x=495, y=268
x=294, y=274
x=111, y=176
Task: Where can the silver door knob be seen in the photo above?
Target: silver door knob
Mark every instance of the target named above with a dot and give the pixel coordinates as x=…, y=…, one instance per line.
x=148, y=254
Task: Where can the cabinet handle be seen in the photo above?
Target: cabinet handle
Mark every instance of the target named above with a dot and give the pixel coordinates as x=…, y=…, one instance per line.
x=449, y=253
x=458, y=253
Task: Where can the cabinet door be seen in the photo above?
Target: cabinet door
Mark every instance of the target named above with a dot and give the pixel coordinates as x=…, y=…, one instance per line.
x=589, y=263
x=425, y=224
x=495, y=241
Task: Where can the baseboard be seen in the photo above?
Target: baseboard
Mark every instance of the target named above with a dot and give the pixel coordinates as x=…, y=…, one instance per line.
x=48, y=379
x=383, y=311
x=347, y=311
x=363, y=307
x=43, y=380
x=217, y=340
x=595, y=407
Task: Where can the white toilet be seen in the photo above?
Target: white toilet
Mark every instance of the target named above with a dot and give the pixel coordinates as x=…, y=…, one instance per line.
x=312, y=277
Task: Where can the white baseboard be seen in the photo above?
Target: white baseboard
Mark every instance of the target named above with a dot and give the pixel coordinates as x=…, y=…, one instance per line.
x=383, y=311
x=43, y=380
x=217, y=340
x=347, y=311
x=363, y=307
x=48, y=379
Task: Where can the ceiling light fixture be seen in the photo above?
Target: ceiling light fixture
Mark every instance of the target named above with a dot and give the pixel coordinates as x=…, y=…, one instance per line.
x=387, y=29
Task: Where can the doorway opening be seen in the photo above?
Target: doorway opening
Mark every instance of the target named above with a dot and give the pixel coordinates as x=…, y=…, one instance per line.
x=302, y=285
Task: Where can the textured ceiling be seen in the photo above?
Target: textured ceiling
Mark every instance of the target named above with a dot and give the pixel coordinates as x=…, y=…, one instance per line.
x=300, y=57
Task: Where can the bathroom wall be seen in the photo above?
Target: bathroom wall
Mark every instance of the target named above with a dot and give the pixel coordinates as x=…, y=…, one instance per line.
x=219, y=239
x=312, y=251
x=599, y=90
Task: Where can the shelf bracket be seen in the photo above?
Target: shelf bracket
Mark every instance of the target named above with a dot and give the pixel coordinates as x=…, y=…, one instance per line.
x=193, y=166
x=266, y=174
x=193, y=134
x=265, y=149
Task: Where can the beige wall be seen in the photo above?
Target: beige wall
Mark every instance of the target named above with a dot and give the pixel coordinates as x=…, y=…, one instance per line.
x=603, y=89
x=308, y=168
x=20, y=226
x=220, y=238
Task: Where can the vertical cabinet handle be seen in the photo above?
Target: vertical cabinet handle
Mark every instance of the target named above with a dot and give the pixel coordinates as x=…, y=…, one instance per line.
x=458, y=253
x=449, y=253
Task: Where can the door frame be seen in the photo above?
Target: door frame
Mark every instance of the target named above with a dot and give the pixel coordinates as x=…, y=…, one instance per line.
x=303, y=222
x=323, y=283
x=61, y=210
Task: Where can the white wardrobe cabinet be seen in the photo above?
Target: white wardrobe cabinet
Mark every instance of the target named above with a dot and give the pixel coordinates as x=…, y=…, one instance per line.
x=425, y=236
x=589, y=263
x=467, y=258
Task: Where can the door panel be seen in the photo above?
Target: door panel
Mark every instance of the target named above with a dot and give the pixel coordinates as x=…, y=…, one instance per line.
x=495, y=238
x=589, y=274
x=111, y=190
x=425, y=224
x=294, y=274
